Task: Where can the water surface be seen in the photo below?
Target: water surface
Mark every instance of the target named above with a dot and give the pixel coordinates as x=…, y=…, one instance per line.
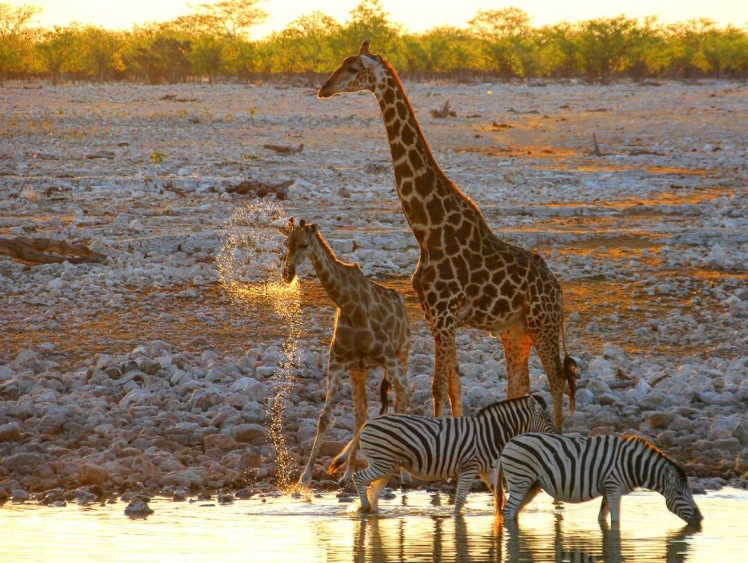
x=411, y=527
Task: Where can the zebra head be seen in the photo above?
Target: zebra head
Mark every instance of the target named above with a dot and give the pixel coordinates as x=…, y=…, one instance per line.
x=678, y=496
x=519, y=415
x=540, y=420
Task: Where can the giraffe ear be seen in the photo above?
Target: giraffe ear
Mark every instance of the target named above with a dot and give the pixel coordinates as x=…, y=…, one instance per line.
x=286, y=229
x=368, y=60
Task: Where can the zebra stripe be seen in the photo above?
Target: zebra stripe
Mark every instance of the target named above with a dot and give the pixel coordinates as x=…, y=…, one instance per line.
x=581, y=469
x=432, y=449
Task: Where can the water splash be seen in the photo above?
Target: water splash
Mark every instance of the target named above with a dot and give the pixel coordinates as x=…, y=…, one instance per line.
x=249, y=266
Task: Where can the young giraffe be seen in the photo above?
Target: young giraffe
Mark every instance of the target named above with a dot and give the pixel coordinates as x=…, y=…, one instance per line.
x=371, y=330
x=466, y=275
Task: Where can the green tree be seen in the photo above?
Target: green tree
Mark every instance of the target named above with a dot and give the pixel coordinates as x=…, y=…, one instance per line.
x=507, y=40
x=686, y=47
x=648, y=54
x=58, y=51
x=558, y=53
x=735, y=47
x=606, y=45
x=311, y=39
x=230, y=18
x=159, y=54
x=369, y=20
x=15, y=38
x=445, y=49
x=101, y=49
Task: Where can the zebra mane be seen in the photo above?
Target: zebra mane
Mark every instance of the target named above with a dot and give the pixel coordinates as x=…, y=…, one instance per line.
x=538, y=398
x=646, y=443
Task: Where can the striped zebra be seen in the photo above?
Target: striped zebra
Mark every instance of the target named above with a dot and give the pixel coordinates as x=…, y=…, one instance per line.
x=580, y=469
x=432, y=449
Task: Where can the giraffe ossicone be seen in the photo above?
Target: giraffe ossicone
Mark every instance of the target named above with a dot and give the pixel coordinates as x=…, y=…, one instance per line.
x=466, y=275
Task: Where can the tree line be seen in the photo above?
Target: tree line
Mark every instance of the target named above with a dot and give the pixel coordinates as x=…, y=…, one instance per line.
x=213, y=43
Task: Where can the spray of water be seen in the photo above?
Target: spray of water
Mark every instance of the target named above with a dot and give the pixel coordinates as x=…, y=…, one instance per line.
x=249, y=266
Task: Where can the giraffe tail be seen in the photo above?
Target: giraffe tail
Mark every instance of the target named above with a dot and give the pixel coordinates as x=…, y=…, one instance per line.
x=570, y=372
x=384, y=389
x=341, y=458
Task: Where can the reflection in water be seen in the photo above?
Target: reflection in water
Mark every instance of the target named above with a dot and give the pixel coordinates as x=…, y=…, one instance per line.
x=551, y=534
x=276, y=529
x=249, y=266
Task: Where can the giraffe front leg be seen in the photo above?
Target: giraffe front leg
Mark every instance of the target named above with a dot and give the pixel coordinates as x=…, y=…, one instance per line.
x=360, y=412
x=517, y=344
x=445, y=369
x=334, y=375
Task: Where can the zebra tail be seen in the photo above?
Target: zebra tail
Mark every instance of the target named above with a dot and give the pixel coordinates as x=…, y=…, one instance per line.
x=498, y=493
x=384, y=389
x=341, y=458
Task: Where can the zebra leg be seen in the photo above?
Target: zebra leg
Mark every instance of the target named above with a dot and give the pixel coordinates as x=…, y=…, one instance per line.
x=360, y=411
x=602, y=516
x=614, y=506
x=464, y=481
x=363, y=478
x=520, y=495
x=334, y=374
x=375, y=489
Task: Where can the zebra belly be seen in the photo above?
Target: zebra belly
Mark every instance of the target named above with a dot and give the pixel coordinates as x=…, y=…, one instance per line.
x=424, y=474
x=568, y=494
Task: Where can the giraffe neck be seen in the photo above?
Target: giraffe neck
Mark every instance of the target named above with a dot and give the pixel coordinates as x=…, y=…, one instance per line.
x=332, y=273
x=422, y=186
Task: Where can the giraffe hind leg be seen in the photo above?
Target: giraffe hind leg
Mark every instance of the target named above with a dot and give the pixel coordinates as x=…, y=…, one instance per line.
x=545, y=336
x=517, y=344
x=360, y=412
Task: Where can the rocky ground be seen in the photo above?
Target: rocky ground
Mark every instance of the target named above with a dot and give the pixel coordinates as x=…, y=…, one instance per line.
x=160, y=366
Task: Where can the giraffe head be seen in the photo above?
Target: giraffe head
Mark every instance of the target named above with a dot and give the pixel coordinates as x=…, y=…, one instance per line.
x=297, y=243
x=362, y=71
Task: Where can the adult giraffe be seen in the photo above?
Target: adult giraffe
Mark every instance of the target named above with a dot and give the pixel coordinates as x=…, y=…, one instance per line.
x=466, y=275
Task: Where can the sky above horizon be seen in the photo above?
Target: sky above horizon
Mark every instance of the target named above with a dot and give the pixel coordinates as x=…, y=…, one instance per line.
x=414, y=15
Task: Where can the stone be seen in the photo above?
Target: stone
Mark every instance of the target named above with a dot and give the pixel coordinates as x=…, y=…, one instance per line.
x=248, y=433
x=10, y=432
x=138, y=508
x=660, y=419
x=92, y=474
x=223, y=442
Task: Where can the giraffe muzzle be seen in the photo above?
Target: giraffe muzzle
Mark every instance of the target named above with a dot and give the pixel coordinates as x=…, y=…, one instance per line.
x=289, y=273
x=325, y=91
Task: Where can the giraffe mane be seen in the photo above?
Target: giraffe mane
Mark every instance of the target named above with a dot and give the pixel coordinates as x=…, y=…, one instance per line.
x=646, y=443
x=391, y=70
x=328, y=249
